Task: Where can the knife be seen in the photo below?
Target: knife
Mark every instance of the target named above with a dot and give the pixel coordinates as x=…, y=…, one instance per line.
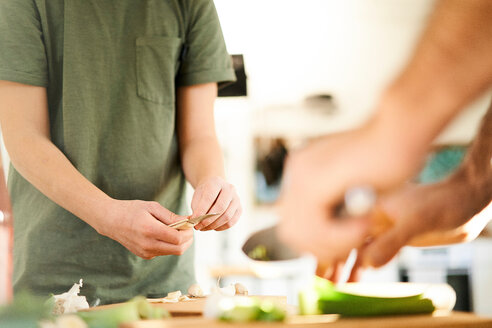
x=190, y=223
x=357, y=201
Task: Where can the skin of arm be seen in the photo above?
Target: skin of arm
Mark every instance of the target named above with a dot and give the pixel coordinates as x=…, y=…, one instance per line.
x=201, y=158
x=451, y=211
x=450, y=66
x=4, y=195
x=449, y=69
x=142, y=226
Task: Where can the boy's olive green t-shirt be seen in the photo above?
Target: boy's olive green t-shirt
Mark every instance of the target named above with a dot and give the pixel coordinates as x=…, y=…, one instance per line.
x=111, y=68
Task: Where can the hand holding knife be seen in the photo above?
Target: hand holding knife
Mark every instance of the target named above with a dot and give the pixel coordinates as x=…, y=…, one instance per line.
x=357, y=202
x=190, y=223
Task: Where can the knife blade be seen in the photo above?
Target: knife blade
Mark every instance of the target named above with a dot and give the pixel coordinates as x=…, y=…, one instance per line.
x=190, y=223
x=357, y=201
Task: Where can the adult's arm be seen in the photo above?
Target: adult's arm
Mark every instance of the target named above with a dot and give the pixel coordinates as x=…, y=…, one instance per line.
x=26, y=130
x=450, y=67
x=202, y=158
x=4, y=195
x=452, y=211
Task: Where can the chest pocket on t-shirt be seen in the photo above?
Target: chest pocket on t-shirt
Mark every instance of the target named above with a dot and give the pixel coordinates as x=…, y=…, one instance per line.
x=157, y=64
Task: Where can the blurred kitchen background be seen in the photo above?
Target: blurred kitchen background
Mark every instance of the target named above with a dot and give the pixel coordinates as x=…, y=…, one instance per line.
x=308, y=68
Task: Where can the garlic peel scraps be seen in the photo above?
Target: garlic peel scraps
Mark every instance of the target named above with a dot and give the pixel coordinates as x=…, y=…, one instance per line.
x=70, y=302
x=172, y=297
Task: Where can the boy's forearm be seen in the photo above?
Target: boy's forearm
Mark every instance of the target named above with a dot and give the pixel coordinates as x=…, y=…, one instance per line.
x=201, y=156
x=47, y=168
x=202, y=159
x=26, y=132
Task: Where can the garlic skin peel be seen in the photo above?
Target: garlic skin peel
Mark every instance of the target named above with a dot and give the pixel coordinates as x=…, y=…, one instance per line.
x=240, y=289
x=70, y=302
x=173, y=296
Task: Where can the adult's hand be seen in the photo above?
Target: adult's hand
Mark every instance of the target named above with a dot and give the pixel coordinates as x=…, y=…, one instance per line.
x=427, y=215
x=142, y=227
x=315, y=182
x=333, y=271
x=420, y=216
x=451, y=211
x=215, y=195
x=411, y=113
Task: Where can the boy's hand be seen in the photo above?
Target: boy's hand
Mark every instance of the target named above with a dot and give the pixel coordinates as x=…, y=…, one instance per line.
x=142, y=227
x=215, y=195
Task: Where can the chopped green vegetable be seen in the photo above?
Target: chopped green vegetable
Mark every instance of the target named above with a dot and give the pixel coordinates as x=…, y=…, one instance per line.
x=269, y=311
x=259, y=253
x=325, y=298
x=148, y=311
x=252, y=309
x=241, y=313
x=25, y=311
x=136, y=309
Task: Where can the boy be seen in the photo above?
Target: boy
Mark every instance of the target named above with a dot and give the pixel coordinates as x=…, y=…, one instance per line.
x=106, y=107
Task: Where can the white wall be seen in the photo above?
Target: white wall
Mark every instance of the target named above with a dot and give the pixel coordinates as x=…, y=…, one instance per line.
x=351, y=48
x=294, y=48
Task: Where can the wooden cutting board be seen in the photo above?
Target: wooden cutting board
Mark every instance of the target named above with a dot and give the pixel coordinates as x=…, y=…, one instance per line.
x=195, y=306
x=453, y=320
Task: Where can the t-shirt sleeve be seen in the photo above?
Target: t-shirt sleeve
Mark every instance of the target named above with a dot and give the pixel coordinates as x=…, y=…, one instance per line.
x=205, y=58
x=22, y=50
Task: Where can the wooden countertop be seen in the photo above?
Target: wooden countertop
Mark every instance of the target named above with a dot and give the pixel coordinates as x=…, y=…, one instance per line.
x=189, y=314
x=193, y=307
x=453, y=320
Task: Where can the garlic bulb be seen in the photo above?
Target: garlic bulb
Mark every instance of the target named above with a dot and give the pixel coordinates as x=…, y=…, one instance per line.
x=195, y=291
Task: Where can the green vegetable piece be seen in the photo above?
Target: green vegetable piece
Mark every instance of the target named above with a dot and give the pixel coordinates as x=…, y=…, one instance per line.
x=308, y=302
x=25, y=311
x=111, y=317
x=241, y=313
x=147, y=311
x=253, y=309
x=269, y=311
x=259, y=253
x=133, y=310
x=240, y=310
x=325, y=298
